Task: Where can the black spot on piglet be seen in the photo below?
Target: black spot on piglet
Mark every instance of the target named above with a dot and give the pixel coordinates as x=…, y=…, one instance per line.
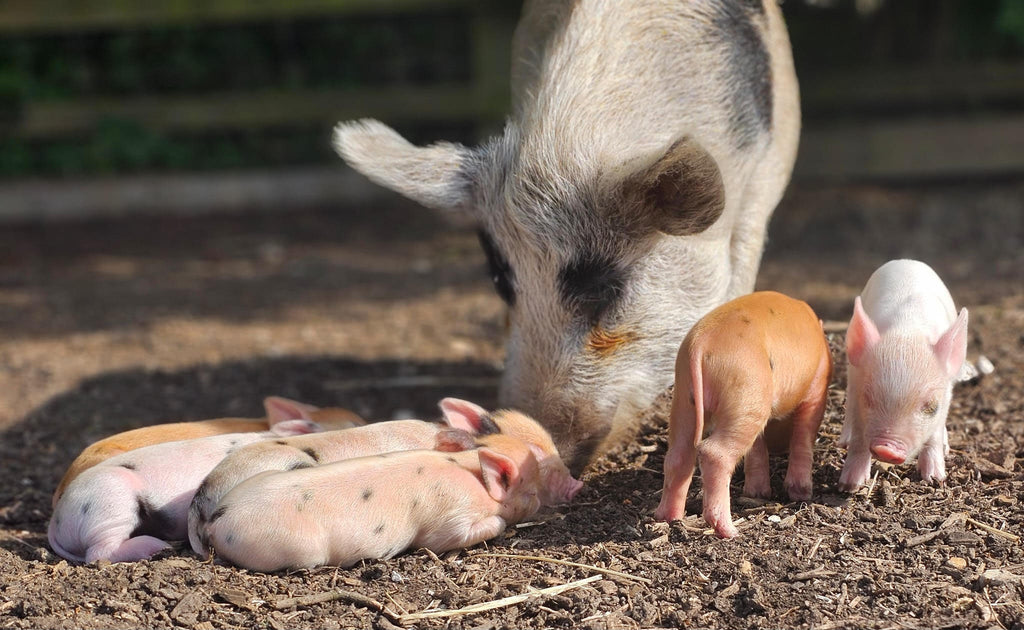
x=367, y=493
x=152, y=522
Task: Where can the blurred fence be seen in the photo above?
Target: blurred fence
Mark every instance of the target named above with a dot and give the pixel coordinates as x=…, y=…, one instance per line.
x=135, y=105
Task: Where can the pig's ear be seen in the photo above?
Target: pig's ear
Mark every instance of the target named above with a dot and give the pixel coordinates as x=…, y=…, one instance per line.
x=467, y=416
x=295, y=427
x=280, y=409
x=862, y=334
x=452, y=440
x=500, y=474
x=435, y=176
x=951, y=348
x=680, y=193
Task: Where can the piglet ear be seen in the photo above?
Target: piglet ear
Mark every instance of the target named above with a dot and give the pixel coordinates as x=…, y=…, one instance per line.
x=295, y=427
x=453, y=440
x=500, y=474
x=464, y=415
x=951, y=348
x=862, y=334
x=280, y=409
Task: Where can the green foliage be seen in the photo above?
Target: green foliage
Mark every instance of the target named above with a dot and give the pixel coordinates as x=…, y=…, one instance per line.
x=1010, y=20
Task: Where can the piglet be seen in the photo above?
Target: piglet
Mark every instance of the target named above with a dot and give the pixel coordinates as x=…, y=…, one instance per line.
x=381, y=437
x=375, y=507
x=128, y=506
x=751, y=373
x=905, y=347
x=278, y=410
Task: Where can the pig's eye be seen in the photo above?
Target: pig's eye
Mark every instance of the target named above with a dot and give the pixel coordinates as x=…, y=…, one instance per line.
x=591, y=284
x=929, y=408
x=498, y=269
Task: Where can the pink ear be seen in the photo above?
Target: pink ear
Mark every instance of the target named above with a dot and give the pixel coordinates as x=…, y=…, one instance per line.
x=462, y=414
x=500, y=474
x=295, y=427
x=451, y=440
x=862, y=334
x=280, y=409
x=951, y=348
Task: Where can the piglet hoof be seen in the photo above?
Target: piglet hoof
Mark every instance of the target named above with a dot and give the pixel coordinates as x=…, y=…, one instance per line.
x=799, y=490
x=760, y=489
x=721, y=523
x=932, y=469
x=668, y=513
x=725, y=529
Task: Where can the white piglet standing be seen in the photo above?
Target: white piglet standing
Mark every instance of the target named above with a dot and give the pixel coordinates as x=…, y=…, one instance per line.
x=905, y=347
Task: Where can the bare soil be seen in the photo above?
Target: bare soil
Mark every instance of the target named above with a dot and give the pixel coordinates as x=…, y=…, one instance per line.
x=110, y=325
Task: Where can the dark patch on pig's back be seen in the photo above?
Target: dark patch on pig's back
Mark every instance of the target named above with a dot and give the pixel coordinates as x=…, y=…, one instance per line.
x=748, y=74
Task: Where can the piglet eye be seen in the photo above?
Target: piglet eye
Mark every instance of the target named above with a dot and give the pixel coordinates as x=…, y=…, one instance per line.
x=929, y=408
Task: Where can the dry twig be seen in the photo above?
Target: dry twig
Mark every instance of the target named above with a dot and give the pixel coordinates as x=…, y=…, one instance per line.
x=331, y=596
x=609, y=572
x=993, y=530
x=497, y=603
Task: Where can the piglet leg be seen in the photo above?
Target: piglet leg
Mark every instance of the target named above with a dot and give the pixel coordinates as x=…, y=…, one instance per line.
x=680, y=460
x=806, y=422
x=931, y=462
x=756, y=474
x=719, y=454
x=857, y=467
x=120, y=550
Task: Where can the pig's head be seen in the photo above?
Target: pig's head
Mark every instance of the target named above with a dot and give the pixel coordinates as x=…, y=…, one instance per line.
x=557, y=483
x=906, y=383
x=511, y=475
x=595, y=254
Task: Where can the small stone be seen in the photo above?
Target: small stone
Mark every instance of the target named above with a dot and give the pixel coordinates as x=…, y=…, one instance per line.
x=957, y=563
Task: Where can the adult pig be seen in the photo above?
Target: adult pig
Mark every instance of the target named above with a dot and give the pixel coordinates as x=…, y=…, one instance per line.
x=751, y=373
x=278, y=409
x=128, y=506
x=373, y=439
x=905, y=346
x=649, y=143
x=375, y=507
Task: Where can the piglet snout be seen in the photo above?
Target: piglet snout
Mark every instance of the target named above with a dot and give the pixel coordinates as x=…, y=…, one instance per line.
x=572, y=486
x=889, y=451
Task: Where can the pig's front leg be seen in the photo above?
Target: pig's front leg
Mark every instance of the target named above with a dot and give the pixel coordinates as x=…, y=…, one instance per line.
x=857, y=467
x=931, y=462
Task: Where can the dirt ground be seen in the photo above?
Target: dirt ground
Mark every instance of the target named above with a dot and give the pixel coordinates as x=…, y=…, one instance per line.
x=110, y=325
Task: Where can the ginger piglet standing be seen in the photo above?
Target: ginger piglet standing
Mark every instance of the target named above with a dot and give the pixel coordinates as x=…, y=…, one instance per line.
x=750, y=373
x=278, y=410
x=906, y=346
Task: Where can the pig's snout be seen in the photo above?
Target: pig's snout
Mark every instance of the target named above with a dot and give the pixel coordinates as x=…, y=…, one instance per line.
x=567, y=490
x=889, y=451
